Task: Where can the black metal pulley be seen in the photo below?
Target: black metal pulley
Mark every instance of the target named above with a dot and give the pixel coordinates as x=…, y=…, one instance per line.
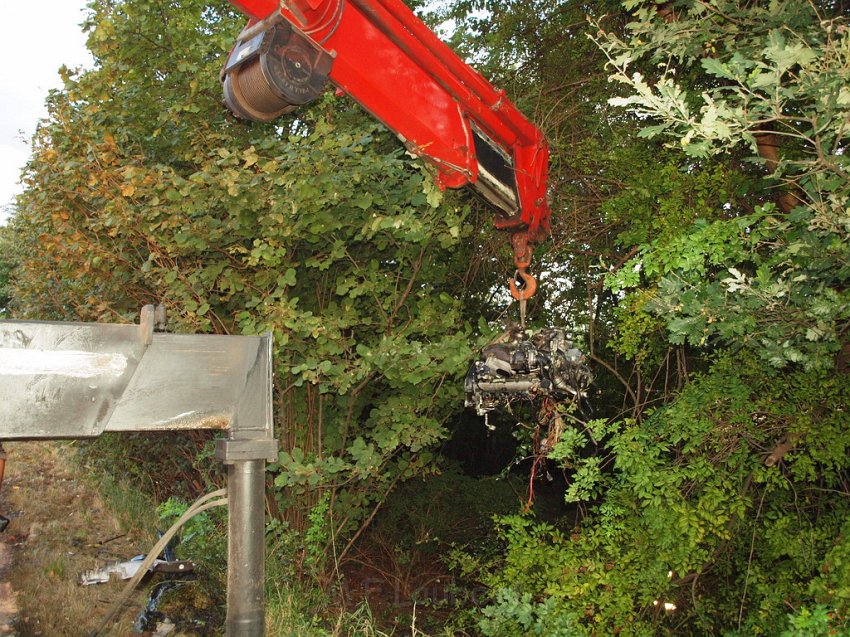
x=273, y=72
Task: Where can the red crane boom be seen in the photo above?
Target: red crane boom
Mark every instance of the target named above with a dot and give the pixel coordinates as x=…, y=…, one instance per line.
x=385, y=58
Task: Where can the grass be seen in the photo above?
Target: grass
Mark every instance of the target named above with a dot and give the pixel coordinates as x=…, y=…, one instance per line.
x=296, y=609
x=133, y=509
x=60, y=528
x=65, y=522
x=286, y=617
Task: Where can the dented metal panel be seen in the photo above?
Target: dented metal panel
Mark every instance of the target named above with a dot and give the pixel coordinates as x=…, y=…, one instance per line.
x=71, y=380
x=63, y=379
x=187, y=382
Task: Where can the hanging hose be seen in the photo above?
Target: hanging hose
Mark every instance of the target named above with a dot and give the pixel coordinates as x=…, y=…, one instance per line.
x=201, y=504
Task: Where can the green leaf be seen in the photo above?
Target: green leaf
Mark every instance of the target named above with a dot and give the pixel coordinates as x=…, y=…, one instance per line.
x=363, y=201
x=717, y=68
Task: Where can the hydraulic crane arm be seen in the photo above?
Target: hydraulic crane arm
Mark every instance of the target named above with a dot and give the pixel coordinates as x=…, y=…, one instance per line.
x=384, y=57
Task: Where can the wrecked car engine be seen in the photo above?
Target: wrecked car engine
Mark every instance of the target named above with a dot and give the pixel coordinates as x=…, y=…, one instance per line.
x=528, y=366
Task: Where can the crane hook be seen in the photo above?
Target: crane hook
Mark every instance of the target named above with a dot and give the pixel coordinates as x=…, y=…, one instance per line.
x=521, y=244
x=527, y=289
x=523, y=285
x=524, y=292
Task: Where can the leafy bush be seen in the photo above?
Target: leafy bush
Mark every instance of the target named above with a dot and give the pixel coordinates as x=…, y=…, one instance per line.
x=142, y=188
x=722, y=503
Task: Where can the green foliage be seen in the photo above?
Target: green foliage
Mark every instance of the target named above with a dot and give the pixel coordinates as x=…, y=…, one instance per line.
x=319, y=229
x=446, y=509
x=511, y=614
x=664, y=197
x=6, y=266
x=763, y=281
x=815, y=622
x=767, y=283
x=687, y=508
x=318, y=534
x=202, y=540
x=161, y=465
x=779, y=62
x=196, y=536
x=771, y=73
x=722, y=493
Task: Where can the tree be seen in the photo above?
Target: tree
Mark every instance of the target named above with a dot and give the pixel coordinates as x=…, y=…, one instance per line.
x=6, y=265
x=715, y=478
x=771, y=78
x=142, y=188
x=723, y=494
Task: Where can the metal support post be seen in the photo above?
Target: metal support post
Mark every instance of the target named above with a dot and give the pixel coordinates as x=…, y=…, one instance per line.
x=245, y=460
x=246, y=549
x=77, y=380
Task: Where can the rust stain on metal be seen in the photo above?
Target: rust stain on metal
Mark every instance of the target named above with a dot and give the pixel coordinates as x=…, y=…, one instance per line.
x=198, y=420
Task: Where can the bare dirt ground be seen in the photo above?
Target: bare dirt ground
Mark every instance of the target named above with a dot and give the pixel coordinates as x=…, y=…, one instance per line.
x=60, y=528
x=8, y=598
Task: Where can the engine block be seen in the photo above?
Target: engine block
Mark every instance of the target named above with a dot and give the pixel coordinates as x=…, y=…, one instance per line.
x=528, y=366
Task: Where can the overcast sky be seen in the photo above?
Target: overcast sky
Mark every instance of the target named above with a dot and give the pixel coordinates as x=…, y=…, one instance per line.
x=36, y=38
